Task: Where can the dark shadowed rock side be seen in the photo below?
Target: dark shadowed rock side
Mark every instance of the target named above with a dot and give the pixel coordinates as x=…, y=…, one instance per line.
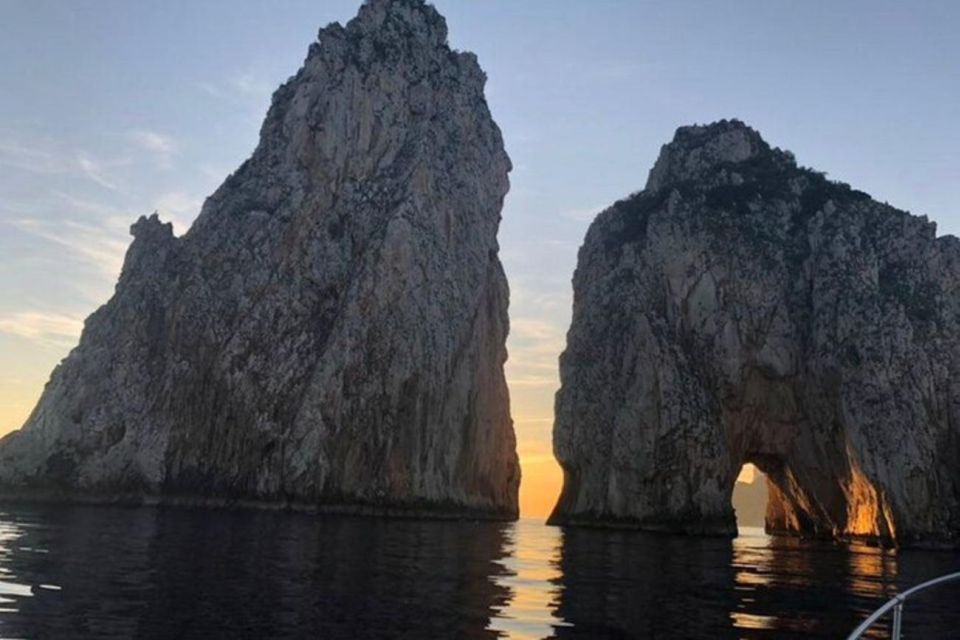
x=744, y=309
x=331, y=331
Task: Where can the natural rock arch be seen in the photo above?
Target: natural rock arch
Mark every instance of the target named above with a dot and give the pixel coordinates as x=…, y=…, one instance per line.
x=743, y=309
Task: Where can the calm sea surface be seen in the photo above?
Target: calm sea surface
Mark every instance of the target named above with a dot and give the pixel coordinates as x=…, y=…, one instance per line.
x=103, y=572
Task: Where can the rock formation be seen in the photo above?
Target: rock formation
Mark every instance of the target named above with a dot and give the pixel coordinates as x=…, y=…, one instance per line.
x=331, y=330
x=744, y=309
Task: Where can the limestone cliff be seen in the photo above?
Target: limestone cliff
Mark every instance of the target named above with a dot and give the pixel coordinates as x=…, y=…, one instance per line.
x=331, y=330
x=744, y=309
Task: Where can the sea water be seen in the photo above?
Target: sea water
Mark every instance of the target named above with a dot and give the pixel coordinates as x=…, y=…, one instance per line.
x=111, y=572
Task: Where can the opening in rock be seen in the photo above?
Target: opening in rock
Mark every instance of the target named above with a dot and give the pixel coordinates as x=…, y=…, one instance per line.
x=750, y=498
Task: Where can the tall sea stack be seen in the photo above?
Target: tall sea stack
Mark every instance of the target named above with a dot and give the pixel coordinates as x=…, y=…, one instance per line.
x=331, y=330
x=744, y=309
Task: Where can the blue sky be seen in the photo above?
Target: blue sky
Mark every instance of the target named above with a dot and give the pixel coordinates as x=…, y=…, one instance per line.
x=110, y=109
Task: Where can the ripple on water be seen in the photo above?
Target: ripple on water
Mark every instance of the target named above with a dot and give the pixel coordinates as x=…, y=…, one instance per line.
x=119, y=573
x=529, y=574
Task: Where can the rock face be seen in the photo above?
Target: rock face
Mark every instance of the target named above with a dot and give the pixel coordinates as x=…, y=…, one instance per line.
x=744, y=309
x=331, y=331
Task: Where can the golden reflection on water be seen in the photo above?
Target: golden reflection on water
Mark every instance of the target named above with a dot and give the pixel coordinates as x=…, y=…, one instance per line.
x=530, y=571
x=873, y=572
x=522, y=580
x=766, y=564
x=752, y=558
x=774, y=583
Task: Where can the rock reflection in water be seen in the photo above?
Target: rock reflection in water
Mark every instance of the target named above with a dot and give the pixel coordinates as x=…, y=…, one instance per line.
x=150, y=573
x=86, y=572
x=635, y=585
x=618, y=584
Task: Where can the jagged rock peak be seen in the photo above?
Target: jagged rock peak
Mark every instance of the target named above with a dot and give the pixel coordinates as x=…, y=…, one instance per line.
x=149, y=227
x=405, y=20
x=330, y=332
x=389, y=25
x=698, y=149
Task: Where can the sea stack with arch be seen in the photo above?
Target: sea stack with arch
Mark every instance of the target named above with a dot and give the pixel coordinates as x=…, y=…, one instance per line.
x=740, y=309
x=330, y=333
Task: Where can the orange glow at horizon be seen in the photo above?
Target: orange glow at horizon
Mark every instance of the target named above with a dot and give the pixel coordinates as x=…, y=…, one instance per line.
x=541, y=479
x=25, y=366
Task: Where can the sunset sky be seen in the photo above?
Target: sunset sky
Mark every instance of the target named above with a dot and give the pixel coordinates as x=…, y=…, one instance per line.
x=110, y=109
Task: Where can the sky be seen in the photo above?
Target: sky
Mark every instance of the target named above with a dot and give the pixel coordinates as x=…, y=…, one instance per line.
x=111, y=109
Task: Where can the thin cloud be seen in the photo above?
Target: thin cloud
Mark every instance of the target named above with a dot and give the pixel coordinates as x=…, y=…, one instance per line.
x=100, y=237
x=211, y=89
x=247, y=84
x=214, y=174
x=241, y=86
x=535, y=329
x=520, y=419
x=95, y=172
x=533, y=336
x=180, y=208
x=541, y=296
x=582, y=214
x=55, y=329
x=89, y=242
x=547, y=363
x=86, y=238
x=111, y=217
x=534, y=346
x=160, y=145
x=29, y=159
x=532, y=381
x=34, y=158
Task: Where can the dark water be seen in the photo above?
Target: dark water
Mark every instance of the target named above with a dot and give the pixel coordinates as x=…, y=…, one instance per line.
x=96, y=572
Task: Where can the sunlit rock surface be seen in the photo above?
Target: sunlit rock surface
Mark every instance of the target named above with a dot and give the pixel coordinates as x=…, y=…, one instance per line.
x=744, y=309
x=331, y=331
